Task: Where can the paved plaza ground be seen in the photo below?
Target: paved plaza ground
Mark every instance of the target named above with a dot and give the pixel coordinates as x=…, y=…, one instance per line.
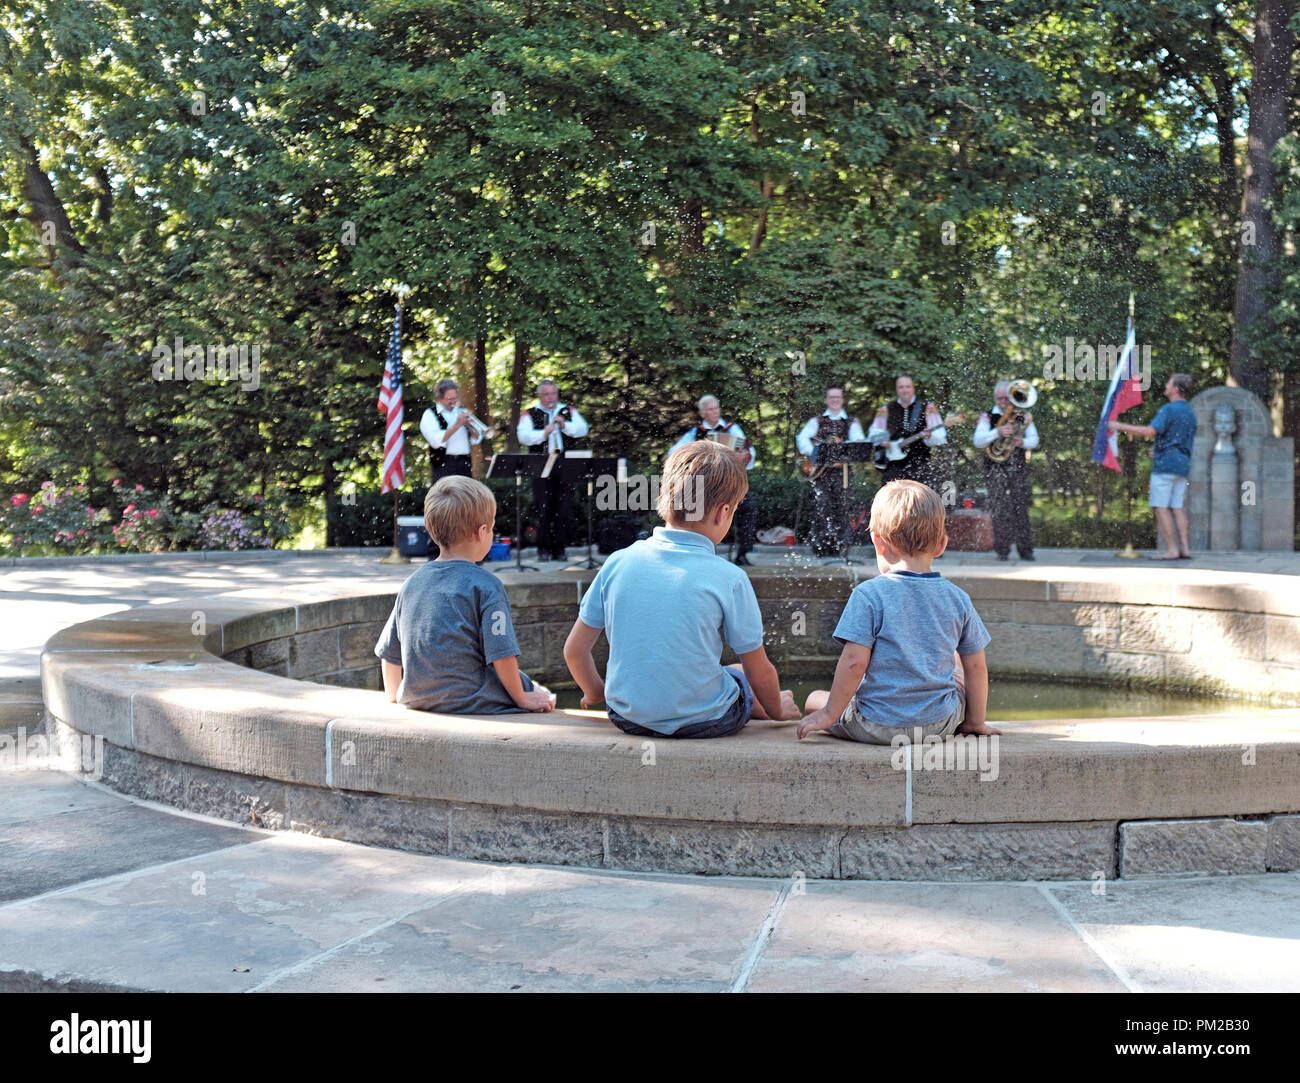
x=98, y=890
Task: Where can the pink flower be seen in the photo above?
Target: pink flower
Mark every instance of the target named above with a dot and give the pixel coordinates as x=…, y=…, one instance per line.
x=129, y=508
x=258, y=499
x=36, y=509
x=139, y=488
x=19, y=500
x=79, y=532
x=117, y=481
x=47, y=485
x=152, y=513
x=81, y=488
x=90, y=510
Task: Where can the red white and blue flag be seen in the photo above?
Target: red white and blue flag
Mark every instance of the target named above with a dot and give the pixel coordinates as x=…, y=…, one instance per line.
x=390, y=403
x=1125, y=393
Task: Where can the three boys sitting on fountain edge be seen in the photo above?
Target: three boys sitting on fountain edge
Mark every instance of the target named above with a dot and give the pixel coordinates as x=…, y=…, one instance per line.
x=912, y=665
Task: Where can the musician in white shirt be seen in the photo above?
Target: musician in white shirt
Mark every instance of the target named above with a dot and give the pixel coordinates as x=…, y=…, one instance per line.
x=549, y=426
x=903, y=417
x=746, y=520
x=1008, y=481
x=447, y=430
x=830, y=490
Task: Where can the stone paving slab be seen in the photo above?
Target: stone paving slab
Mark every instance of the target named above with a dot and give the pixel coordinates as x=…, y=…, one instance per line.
x=892, y=938
x=54, y=851
x=38, y=795
x=1215, y=934
x=228, y=920
x=541, y=930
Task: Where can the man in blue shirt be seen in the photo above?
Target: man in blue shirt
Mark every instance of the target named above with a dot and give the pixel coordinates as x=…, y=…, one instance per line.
x=1174, y=429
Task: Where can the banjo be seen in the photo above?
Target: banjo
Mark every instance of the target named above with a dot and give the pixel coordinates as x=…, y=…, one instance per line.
x=897, y=449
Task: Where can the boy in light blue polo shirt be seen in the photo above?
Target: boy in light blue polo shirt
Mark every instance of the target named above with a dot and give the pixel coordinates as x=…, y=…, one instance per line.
x=913, y=661
x=667, y=604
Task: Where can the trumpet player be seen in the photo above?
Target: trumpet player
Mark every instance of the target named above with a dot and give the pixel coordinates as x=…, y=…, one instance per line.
x=450, y=432
x=549, y=426
x=1008, y=479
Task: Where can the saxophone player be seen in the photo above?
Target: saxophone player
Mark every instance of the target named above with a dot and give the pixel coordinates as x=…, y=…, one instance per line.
x=1008, y=479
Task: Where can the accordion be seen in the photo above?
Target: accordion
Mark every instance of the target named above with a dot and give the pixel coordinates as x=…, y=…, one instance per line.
x=728, y=440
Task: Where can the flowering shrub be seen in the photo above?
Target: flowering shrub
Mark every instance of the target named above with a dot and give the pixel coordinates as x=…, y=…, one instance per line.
x=55, y=519
x=149, y=523
x=272, y=517
x=230, y=530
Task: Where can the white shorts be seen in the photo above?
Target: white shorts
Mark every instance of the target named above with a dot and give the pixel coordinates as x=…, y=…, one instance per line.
x=1167, y=490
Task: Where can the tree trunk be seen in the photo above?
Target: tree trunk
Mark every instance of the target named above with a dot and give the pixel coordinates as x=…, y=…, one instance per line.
x=1259, y=267
x=462, y=354
x=692, y=224
x=518, y=377
x=474, y=397
x=331, y=511
x=47, y=214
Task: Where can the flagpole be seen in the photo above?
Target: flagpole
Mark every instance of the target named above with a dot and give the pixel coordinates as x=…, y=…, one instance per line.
x=395, y=554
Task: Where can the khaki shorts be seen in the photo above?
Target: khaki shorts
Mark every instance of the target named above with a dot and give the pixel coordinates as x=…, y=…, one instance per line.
x=853, y=727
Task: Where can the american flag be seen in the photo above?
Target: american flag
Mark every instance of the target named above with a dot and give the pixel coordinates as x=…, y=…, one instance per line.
x=390, y=403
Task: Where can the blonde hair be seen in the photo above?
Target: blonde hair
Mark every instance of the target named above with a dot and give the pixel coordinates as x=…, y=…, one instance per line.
x=455, y=507
x=698, y=478
x=908, y=516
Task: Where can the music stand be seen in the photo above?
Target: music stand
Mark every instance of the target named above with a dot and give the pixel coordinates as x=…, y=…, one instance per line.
x=838, y=456
x=573, y=468
x=520, y=466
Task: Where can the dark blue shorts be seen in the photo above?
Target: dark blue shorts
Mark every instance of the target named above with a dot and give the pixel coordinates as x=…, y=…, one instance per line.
x=733, y=721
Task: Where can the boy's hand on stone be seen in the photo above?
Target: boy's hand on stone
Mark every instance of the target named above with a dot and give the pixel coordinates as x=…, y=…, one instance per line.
x=596, y=697
x=538, y=701
x=818, y=720
x=789, y=711
x=979, y=729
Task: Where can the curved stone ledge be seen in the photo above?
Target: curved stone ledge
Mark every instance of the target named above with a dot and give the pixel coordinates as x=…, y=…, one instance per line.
x=185, y=724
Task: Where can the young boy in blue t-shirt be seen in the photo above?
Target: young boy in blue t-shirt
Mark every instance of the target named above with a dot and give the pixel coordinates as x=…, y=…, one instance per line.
x=449, y=645
x=913, y=659
x=667, y=603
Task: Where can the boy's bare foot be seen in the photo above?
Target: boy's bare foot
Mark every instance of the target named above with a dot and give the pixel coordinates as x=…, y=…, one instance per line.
x=788, y=709
x=980, y=730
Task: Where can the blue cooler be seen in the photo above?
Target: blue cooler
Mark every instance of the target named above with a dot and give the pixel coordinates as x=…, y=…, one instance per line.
x=412, y=538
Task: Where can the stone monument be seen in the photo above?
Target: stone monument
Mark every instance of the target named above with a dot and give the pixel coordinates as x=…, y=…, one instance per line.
x=1241, y=487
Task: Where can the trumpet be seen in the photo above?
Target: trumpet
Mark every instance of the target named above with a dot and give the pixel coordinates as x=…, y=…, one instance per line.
x=481, y=430
x=1022, y=396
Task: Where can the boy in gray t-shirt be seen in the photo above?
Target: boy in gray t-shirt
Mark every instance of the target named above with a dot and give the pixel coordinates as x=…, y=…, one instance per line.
x=913, y=659
x=449, y=644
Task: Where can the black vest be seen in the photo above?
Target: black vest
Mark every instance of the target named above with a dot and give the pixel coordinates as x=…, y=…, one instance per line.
x=834, y=428
x=702, y=431
x=1016, y=458
x=539, y=423
x=896, y=424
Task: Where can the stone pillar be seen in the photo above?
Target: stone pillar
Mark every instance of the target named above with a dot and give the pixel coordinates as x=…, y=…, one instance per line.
x=1224, y=494
x=1261, y=512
